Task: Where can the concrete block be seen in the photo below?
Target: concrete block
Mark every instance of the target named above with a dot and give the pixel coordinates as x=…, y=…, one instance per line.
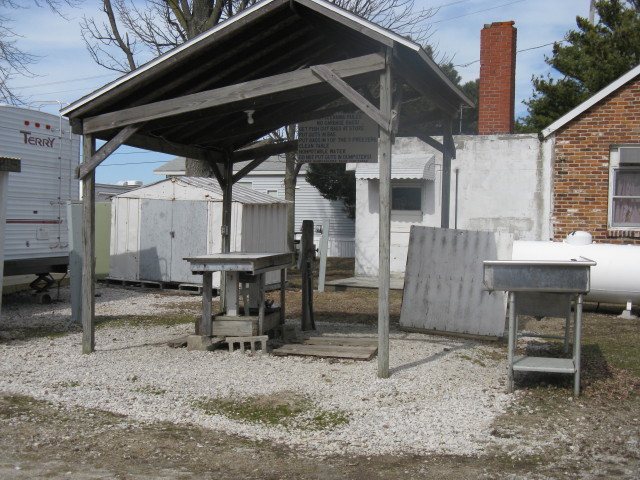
x=252, y=341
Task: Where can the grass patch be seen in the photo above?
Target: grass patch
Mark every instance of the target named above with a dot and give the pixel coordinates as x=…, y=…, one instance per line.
x=151, y=390
x=283, y=408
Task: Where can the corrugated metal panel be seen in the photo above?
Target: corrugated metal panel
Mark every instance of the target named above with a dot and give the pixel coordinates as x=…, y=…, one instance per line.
x=310, y=205
x=264, y=229
x=443, y=287
x=403, y=166
x=240, y=193
x=36, y=197
x=197, y=188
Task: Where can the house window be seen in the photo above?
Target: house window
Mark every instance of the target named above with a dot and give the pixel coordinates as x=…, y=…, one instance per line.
x=273, y=193
x=624, y=188
x=407, y=197
x=245, y=184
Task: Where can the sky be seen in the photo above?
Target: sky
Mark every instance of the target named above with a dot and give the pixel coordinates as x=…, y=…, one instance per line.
x=66, y=72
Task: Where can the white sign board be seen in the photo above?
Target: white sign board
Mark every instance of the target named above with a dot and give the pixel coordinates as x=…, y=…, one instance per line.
x=340, y=138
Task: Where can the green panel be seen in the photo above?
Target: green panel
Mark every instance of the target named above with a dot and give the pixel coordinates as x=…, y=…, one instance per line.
x=103, y=238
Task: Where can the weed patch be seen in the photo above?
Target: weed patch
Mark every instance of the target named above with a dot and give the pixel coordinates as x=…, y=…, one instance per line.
x=284, y=408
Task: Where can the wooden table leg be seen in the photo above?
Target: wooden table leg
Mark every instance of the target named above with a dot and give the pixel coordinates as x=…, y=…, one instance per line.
x=261, y=305
x=283, y=273
x=231, y=293
x=206, y=328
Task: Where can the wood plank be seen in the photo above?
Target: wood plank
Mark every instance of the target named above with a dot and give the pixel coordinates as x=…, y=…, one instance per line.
x=327, y=351
x=164, y=146
x=384, y=238
x=107, y=149
x=267, y=87
x=264, y=150
x=364, y=105
x=234, y=328
x=89, y=250
x=344, y=341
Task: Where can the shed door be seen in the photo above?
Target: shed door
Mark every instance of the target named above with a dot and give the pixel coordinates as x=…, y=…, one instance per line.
x=155, y=240
x=189, y=239
x=170, y=231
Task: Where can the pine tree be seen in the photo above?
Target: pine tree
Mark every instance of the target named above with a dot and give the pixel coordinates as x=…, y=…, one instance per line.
x=591, y=58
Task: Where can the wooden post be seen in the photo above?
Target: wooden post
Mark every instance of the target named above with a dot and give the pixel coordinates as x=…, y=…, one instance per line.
x=384, y=259
x=227, y=202
x=324, y=246
x=447, y=154
x=89, y=243
x=306, y=275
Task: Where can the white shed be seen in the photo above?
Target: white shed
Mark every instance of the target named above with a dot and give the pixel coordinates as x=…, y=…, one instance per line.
x=153, y=228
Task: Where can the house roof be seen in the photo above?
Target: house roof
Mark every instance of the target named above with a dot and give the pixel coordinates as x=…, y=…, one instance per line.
x=192, y=101
x=196, y=188
x=584, y=106
x=405, y=166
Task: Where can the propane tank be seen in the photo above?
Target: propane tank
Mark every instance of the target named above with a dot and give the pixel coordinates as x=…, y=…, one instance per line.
x=615, y=278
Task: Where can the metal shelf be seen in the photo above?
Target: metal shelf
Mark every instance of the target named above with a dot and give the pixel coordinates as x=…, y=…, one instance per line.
x=544, y=364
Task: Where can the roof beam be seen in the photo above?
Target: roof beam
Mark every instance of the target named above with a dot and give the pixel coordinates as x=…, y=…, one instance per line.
x=370, y=110
x=158, y=144
x=264, y=150
x=265, y=89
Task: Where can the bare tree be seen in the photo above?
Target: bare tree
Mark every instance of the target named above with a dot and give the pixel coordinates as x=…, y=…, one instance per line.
x=15, y=62
x=130, y=35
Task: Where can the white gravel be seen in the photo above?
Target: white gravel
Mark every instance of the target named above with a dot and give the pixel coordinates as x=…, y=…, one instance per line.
x=442, y=396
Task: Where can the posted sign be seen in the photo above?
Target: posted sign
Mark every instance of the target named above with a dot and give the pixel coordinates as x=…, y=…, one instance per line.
x=340, y=138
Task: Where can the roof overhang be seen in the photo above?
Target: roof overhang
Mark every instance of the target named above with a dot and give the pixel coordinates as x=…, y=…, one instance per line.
x=192, y=101
x=403, y=167
x=587, y=104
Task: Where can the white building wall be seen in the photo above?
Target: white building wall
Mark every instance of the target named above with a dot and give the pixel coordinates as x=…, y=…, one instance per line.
x=503, y=185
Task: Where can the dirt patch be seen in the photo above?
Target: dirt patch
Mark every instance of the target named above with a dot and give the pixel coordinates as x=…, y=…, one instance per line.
x=39, y=440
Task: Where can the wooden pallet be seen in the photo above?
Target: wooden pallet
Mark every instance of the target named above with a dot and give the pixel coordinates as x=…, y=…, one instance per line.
x=332, y=347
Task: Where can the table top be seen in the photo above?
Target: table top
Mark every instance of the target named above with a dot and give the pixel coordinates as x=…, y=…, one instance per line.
x=240, y=262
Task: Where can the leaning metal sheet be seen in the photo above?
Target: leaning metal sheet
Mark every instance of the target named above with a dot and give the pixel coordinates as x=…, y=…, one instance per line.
x=443, y=286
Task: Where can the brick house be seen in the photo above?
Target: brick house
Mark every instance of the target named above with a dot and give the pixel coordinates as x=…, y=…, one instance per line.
x=596, y=165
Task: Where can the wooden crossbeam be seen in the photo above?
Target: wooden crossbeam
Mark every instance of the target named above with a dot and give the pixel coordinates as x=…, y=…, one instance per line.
x=264, y=91
x=370, y=110
x=107, y=149
x=265, y=150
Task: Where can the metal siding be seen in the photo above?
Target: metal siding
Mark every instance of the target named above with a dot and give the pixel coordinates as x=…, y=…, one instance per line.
x=443, y=288
x=265, y=230
x=310, y=205
x=40, y=191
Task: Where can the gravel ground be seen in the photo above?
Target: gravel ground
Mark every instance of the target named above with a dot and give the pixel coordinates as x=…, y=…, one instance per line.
x=442, y=398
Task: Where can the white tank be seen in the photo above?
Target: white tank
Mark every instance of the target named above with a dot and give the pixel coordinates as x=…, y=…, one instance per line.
x=615, y=278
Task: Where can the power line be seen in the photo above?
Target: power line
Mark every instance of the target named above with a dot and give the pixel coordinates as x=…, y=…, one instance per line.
x=477, y=11
x=463, y=65
x=130, y=163
x=65, y=81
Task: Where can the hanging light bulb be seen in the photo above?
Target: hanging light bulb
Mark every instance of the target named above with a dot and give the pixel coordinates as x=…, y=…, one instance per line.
x=249, y=116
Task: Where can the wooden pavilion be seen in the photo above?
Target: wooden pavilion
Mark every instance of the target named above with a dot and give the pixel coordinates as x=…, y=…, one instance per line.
x=285, y=61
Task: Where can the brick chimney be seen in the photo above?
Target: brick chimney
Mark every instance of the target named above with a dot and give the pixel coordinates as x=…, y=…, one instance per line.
x=497, y=78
